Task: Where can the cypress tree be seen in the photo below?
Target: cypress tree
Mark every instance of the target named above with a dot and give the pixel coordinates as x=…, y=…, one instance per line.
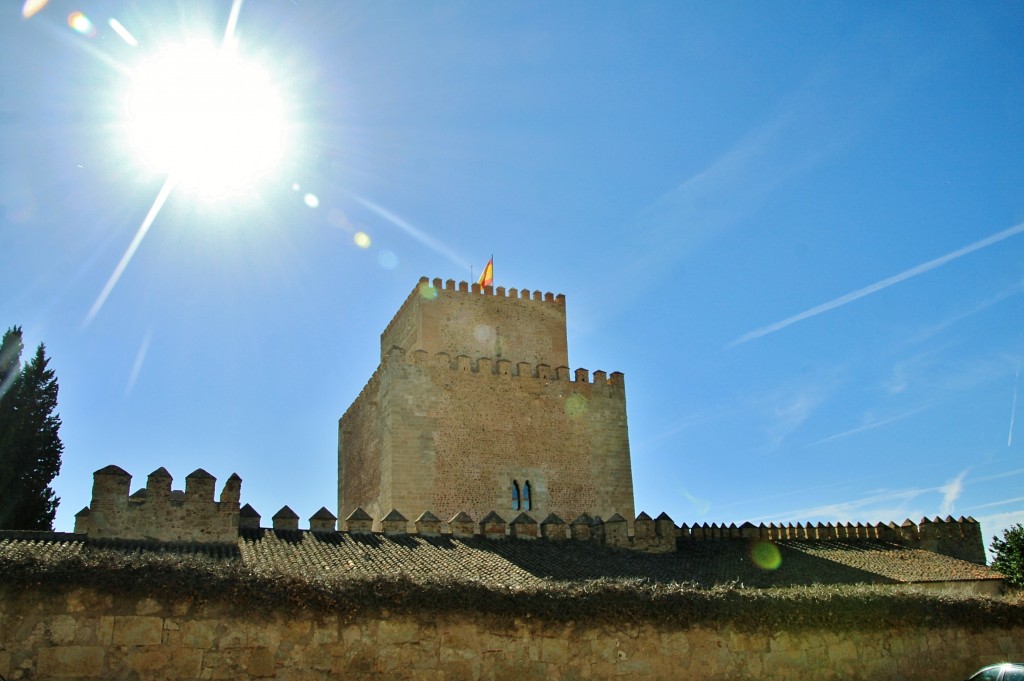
x=30, y=446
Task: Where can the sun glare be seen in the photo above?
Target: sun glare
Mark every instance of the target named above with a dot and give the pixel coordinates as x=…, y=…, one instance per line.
x=207, y=117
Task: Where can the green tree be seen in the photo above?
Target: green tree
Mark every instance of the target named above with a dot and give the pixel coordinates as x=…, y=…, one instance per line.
x=1009, y=552
x=30, y=446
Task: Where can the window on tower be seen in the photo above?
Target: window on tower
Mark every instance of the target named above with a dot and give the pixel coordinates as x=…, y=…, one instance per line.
x=527, y=497
x=516, y=502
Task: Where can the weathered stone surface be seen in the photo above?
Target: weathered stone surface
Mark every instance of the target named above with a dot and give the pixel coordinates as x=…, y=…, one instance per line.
x=473, y=396
x=260, y=663
x=158, y=513
x=82, y=662
x=41, y=637
x=138, y=631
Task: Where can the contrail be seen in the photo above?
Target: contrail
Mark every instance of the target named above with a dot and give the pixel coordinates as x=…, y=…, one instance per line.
x=1013, y=407
x=140, y=234
x=869, y=426
x=878, y=286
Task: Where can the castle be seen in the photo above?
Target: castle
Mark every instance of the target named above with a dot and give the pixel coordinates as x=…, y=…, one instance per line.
x=474, y=408
x=487, y=531
x=474, y=426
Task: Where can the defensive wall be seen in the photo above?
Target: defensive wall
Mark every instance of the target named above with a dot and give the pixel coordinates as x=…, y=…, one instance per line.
x=77, y=609
x=193, y=516
x=52, y=632
x=158, y=512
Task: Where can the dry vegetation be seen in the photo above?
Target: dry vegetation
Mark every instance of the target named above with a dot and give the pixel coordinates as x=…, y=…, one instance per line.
x=232, y=584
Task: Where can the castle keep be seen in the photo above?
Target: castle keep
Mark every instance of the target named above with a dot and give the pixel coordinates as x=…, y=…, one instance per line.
x=474, y=409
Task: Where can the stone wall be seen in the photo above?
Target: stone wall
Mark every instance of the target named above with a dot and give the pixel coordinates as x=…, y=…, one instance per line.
x=958, y=538
x=158, y=512
x=473, y=399
x=520, y=326
x=360, y=451
x=83, y=634
x=452, y=434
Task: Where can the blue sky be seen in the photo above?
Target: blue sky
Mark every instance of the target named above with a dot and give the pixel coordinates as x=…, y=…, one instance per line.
x=797, y=228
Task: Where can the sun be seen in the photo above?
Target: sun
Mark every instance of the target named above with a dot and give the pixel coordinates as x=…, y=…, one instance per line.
x=209, y=119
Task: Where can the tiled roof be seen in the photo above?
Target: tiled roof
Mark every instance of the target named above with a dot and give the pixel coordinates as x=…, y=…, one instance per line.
x=515, y=562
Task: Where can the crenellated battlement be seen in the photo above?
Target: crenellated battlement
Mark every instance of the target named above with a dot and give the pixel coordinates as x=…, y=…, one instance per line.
x=484, y=366
x=958, y=538
x=158, y=512
x=907, y=531
x=651, y=536
x=501, y=367
x=520, y=325
x=427, y=289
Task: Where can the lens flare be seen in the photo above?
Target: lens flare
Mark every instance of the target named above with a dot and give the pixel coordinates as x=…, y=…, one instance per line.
x=29, y=9
x=427, y=292
x=337, y=218
x=388, y=260
x=361, y=239
x=311, y=200
x=81, y=23
x=765, y=555
x=123, y=32
x=575, y=405
x=483, y=333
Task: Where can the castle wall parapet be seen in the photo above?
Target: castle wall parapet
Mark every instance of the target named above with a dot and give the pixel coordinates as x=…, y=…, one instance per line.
x=394, y=523
x=429, y=289
x=322, y=521
x=487, y=366
x=960, y=538
x=158, y=512
x=553, y=528
x=286, y=519
x=461, y=525
x=492, y=526
x=523, y=527
x=662, y=535
x=428, y=525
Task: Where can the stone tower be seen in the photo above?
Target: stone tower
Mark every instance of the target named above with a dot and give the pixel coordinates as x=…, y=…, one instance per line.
x=473, y=408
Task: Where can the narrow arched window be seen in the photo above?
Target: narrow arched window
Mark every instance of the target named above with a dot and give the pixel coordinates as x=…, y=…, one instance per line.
x=527, y=500
x=516, y=504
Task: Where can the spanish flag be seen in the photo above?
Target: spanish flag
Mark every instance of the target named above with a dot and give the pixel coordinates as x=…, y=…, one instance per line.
x=487, y=276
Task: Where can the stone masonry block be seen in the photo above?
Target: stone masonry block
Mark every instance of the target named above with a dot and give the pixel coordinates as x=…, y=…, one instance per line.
x=138, y=631
x=259, y=663
x=70, y=662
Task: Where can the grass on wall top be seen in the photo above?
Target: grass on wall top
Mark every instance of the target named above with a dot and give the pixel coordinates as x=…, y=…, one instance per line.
x=233, y=586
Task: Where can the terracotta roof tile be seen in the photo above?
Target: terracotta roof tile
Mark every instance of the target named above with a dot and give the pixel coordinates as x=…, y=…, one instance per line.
x=512, y=562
